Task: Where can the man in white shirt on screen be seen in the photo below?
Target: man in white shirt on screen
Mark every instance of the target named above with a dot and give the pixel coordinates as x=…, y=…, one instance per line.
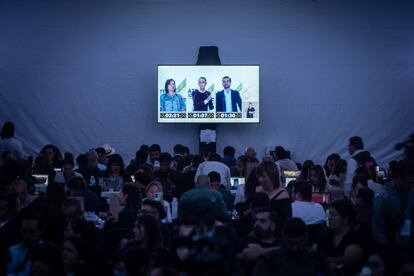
x=214, y=164
x=228, y=100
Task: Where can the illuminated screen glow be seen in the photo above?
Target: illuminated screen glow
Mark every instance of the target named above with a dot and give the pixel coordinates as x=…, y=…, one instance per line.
x=204, y=94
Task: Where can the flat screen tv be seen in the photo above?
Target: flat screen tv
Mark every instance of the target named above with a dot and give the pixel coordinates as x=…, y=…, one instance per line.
x=208, y=94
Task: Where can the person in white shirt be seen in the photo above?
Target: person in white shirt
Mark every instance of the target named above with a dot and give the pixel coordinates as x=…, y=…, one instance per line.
x=214, y=164
x=311, y=213
x=283, y=161
x=66, y=173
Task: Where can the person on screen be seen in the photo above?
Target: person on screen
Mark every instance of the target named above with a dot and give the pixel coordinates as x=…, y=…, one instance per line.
x=202, y=99
x=170, y=101
x=250, y=111
x=228, y=100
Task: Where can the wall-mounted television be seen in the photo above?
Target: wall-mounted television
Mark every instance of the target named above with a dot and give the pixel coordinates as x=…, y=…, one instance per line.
x=208, y=94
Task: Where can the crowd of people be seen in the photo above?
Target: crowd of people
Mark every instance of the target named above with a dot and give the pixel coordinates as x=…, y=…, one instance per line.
x=178, y=214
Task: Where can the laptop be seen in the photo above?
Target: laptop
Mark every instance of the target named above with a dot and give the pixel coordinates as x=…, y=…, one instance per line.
x=290, y=176
x=41, y=179
x=236, y=181
x=41, y=182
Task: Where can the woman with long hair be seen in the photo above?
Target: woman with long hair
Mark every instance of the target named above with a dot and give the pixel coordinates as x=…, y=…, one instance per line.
x=130, y=198
x=280, y=201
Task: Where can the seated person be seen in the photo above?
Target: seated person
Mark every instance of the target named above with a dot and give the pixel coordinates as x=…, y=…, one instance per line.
x=262, y=238
x=340, y=242
x=246, y=214
x=165, y=172
x=240, y=168
x=20, y=190
x=115, y=171
x=303, y=208
x=77, y=188
x=202, y=190
x=87, y=171
x=292, y=258
x=147, y=232
x=283, y=161
x=130, y=198
x=215, y=181
x=153, y=208
x=66, y=173
x=154, y=191
x=31, y=228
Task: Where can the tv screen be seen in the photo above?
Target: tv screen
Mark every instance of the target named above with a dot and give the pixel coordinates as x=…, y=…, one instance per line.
x=208, y=94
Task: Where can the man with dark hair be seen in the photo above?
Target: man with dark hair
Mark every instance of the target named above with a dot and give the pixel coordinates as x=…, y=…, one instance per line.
x=228, y=100
x=140, y=159
x=393, y=209
x=167, y=173
x=77, y=187
x=154, y=152
x=311, y=213
x=228, y=156
x=262, y=238
x=31, y=227
x=251, y=154
x=292, y=258
x=358, y=158
x=178, y=158
x=66, y=173
x=9, y=143
x=215, y=184
x=247, y=211
x=283, y=160
x=214, y=164
x=153, y=208
x=92, y=157
x=72, y=209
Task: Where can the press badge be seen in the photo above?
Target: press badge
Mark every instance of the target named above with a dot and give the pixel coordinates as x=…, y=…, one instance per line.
x=405, y=230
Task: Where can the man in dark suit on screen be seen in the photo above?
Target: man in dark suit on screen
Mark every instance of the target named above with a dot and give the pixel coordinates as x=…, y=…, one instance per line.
x=228, y=100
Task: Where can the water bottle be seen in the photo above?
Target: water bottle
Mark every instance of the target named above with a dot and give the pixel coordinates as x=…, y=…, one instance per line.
x=174, y=208
x=234, y=214
x=92, y=181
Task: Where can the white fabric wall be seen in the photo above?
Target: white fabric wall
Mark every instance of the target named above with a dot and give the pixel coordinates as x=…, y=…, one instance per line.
x=82, y=73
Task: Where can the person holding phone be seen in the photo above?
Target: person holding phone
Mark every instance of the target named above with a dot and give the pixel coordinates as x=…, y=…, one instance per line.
x=154, y=191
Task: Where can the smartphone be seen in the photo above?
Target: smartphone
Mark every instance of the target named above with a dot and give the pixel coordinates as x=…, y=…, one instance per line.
x=236, y=181
x=156, y=165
